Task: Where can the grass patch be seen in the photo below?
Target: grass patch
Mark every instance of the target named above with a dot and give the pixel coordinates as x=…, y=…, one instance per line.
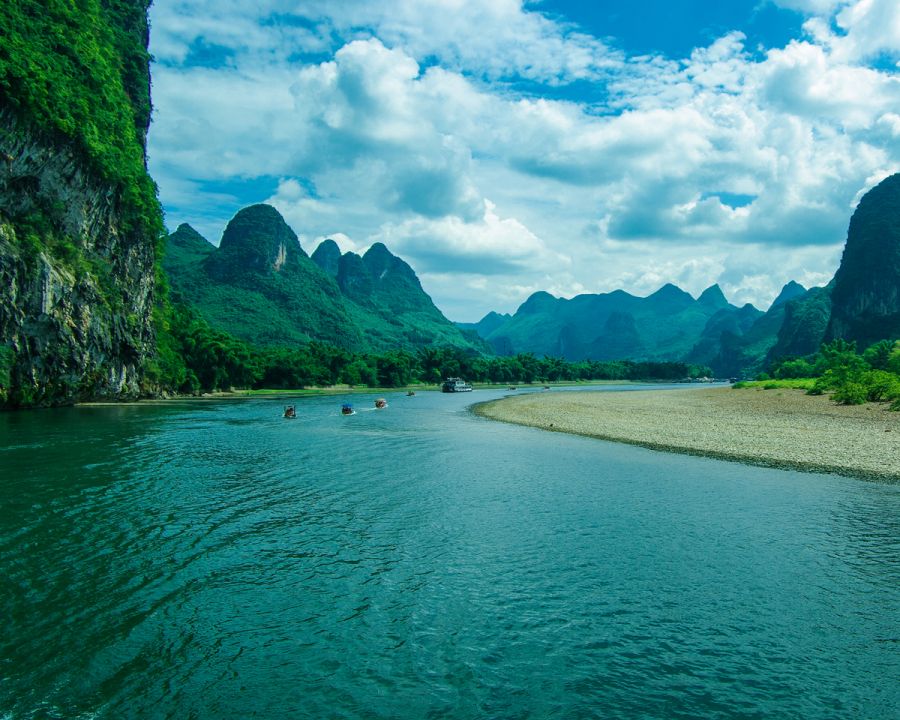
x=793, y=383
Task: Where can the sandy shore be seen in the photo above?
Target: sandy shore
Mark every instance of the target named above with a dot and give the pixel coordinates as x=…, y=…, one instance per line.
x=778, y=428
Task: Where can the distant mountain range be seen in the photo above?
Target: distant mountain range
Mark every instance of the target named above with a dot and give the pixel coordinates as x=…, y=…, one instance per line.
x=259, y=285
x=668, y=325
x=862, y=304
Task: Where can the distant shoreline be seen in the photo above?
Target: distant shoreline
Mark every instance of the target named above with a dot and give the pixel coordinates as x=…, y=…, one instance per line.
x=774, y=428
x=273, y=393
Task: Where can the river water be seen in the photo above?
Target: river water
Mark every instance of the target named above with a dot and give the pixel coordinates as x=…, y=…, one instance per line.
x=213, y=560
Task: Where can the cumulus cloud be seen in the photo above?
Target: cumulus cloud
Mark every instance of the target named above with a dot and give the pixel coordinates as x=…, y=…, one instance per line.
x=491, y=246
x=491, y=38
x=399, y=124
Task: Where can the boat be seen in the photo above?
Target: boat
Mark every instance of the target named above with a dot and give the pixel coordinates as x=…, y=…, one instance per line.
x=410, y=393
x=290, y=412
x=347, y=409
x=455, y=385
x=380, y=403
x=510, y=387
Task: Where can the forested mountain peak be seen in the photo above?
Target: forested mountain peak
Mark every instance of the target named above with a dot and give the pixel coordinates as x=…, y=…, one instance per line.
x=327, y=256
x=713, y=297
x=260, y=286
x=866, y=295
x=257, y=239
x=790, y=291
x=671, y=297
x=185, y=236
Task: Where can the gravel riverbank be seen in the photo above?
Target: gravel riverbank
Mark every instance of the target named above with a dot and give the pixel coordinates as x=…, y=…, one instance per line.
x=778, y=428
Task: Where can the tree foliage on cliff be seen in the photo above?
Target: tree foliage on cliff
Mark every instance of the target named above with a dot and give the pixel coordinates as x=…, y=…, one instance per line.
x=78, y=72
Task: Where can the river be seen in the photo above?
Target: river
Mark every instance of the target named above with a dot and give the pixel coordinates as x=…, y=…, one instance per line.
x=213, y=560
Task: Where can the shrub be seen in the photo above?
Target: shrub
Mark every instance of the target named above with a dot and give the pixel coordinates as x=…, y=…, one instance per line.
x=879, y=354
x=881, y=386
x=851, y=393
x=794, y=369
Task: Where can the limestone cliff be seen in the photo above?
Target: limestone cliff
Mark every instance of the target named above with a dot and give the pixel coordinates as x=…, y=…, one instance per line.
x=78, y=214
x=866, y=295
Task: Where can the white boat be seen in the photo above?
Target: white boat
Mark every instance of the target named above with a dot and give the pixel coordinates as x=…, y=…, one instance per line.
x=455, y=385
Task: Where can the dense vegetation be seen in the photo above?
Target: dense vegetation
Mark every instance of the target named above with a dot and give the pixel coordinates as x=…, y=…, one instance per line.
x=194, y=357
x=260, y=286
x=77, y=203
x=851, y=377
x=79, y=71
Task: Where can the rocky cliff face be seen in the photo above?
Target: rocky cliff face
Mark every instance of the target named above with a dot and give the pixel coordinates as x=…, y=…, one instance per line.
x=327, y=256
x=354, y=278
x=76, y=284
x=866, y=295
x=256, y=240
x=79, y=219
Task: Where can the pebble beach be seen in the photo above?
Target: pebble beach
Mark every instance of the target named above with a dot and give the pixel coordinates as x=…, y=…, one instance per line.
x=776, y=428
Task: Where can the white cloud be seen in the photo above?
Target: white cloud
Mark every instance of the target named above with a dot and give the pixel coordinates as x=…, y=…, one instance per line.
x=385, y=122
x=490, y=38
x=811, y=7
x=869, y=28
x=491, y=246
x=803, y=80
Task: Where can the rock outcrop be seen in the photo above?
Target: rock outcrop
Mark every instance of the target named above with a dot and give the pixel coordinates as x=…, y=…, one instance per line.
x=256, y=240
x=866, y=296
x=77, y=230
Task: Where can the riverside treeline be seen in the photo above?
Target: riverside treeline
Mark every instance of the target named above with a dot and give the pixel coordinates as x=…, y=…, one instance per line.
x=194, y=358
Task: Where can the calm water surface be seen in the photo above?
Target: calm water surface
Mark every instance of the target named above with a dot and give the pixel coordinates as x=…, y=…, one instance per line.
x=212, y=560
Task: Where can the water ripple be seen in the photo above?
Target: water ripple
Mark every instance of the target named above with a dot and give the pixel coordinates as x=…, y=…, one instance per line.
x=216, y=561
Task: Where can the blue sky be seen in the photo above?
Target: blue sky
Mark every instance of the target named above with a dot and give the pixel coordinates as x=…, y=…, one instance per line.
x=503, y=147
x=674, y=29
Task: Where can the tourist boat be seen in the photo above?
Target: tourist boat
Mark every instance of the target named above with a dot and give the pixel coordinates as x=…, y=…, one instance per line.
x=290, y=412
x=347, y=409
x=380, y=403
x=455, y=385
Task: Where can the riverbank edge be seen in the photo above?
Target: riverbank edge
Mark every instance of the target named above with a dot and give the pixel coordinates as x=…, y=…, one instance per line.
x=274, y=394
x=483, y=410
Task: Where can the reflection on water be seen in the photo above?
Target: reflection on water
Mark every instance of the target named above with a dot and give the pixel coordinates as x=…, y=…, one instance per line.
x=217, y=561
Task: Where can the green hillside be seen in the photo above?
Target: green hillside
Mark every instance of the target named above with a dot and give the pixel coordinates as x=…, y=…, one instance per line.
x=260, y=286
x=663, y=326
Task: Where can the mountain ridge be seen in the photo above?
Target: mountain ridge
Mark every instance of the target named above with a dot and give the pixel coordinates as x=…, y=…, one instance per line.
x=261, y=286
